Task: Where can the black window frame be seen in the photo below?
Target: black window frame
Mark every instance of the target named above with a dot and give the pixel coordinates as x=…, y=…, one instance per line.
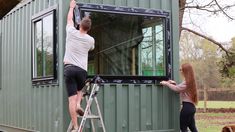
x=84, y=7
x=36, y=18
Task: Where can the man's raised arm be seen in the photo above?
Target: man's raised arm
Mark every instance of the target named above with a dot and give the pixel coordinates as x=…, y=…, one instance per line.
x=70, y=13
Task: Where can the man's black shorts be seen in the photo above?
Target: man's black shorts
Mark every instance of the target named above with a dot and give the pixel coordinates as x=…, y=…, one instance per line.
x=75, y=78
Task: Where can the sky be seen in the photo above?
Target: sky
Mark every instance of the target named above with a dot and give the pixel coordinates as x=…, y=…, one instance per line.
x=218, y=27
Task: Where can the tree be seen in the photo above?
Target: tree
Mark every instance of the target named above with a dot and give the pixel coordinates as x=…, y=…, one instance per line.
x=227, y=63
x=203, y=56
x=213, y=7
x=189, y=47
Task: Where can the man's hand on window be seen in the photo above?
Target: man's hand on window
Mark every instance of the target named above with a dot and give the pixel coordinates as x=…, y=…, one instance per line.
x=72, y=3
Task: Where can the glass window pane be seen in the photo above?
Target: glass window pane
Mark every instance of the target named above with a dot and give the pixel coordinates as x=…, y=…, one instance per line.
x=126, y=45
x=91, y=68
x=146, y=53
x=48, y=46
x=38, y=49
x=160, y=61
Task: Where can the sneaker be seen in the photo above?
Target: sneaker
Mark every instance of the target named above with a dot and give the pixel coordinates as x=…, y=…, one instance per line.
x=80, y=111
x=74, y=130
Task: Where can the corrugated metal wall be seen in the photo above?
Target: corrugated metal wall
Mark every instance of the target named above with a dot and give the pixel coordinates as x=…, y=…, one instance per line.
x=133, y=107
x=0, y=66
x=140, y=107
x=126, y=107
x=154, y=108
x=22, y=104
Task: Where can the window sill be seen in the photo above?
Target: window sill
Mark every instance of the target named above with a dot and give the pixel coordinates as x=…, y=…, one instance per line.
x=50, y=81
x=132, y=79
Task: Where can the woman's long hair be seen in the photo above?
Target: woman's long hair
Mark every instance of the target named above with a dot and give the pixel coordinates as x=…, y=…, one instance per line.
x=188, y=74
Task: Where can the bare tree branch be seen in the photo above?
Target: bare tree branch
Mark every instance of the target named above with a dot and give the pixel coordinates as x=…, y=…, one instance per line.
x=208, y=38
x=197, y=6
x=213, y=7
x=182, y=4
x=223, y=10
x=190, y=2
x=189, y=15
x=208, y=7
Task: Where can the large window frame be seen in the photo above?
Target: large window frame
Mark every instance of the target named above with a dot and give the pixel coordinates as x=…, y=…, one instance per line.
x=142, y=12
x=40, y=18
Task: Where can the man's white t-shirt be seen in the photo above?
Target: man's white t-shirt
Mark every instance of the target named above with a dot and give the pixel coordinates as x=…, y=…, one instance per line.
x=77, y=47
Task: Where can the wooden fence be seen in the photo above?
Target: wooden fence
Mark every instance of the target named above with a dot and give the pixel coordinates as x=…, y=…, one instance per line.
x=219, y=94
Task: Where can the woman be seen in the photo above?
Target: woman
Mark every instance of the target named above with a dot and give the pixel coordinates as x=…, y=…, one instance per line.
x=188, y=95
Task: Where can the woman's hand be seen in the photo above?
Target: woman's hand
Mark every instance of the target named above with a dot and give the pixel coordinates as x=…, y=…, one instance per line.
x=164, y=82
x=172, y=82
x=168, y=82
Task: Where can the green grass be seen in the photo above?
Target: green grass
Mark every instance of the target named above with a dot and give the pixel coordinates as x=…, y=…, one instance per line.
x=217, y=104
x=213, y=122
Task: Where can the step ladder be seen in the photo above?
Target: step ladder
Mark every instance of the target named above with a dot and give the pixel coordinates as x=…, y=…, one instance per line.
x=90, y=95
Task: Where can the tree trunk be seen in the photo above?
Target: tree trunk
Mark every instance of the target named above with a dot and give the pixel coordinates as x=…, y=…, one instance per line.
x=182, y=4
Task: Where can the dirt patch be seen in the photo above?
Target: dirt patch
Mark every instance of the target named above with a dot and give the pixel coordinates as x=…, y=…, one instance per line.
x=213, y=122
x=206, y=117
x=216, y=110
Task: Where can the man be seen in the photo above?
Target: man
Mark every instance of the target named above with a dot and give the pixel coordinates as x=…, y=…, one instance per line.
x=78, y=44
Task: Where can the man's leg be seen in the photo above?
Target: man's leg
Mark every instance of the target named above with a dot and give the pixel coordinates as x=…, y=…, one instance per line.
x=81, y=77
x=72, y=110
x=71, y=86
x=79, y=99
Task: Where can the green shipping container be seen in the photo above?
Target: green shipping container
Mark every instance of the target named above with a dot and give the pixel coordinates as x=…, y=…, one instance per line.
x=136, y=47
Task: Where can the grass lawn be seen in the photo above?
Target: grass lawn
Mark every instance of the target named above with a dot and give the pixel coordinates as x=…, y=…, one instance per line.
x=217, y=104
x=213, y=122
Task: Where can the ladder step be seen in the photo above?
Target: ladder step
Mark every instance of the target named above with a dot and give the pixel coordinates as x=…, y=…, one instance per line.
x=91, y=117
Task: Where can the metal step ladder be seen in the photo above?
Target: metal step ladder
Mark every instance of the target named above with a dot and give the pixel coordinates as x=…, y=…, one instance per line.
x=90, y=95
